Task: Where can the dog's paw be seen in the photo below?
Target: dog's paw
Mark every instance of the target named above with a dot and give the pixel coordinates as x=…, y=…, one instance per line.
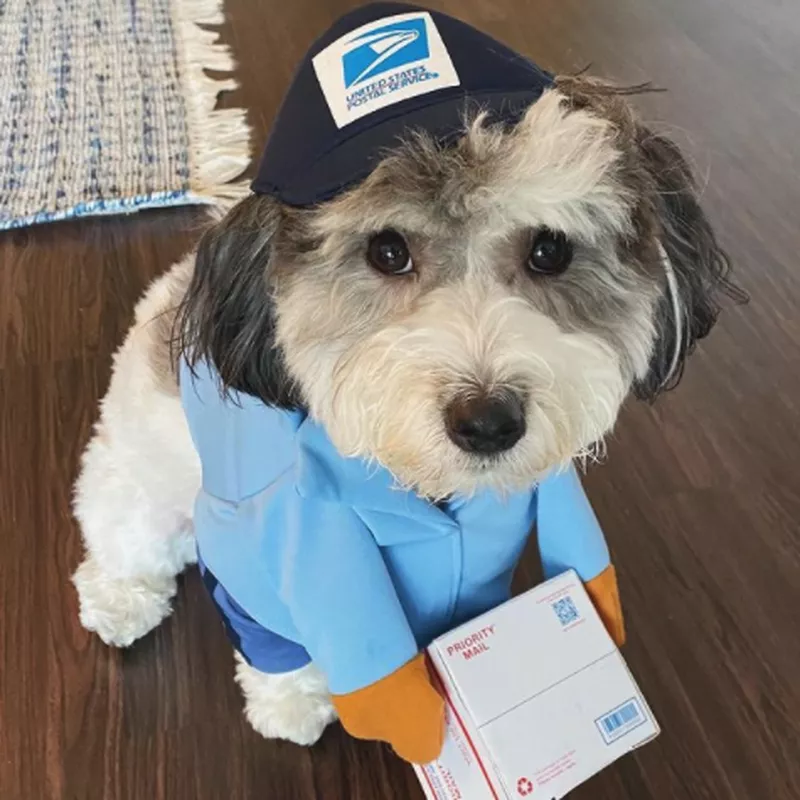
x=121, y=610
x=301, y=719
x=294, y=706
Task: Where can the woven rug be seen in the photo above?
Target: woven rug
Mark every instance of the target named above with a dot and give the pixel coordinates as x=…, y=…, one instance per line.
x=105, y=108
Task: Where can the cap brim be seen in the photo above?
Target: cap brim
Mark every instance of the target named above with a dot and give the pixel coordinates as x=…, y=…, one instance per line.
x=344, y=165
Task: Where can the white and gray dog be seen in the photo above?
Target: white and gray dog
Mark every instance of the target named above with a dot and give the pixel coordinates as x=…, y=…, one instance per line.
x=555, y=266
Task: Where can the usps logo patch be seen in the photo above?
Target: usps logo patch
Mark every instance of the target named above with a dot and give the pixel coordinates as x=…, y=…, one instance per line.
x=388, y=48
x=382, y=63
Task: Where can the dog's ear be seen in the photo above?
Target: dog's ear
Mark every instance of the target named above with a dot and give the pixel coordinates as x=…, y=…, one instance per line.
x=227, y=316
x=695, y=267
x=670, y=225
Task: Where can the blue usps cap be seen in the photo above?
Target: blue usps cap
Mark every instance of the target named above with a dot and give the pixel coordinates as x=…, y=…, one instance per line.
x=375, y=74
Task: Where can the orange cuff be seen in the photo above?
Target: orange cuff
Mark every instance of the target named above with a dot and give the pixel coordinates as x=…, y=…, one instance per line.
x=402, y=709
x=605, y=595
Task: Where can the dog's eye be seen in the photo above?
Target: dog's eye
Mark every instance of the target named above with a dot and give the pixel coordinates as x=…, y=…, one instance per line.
x=551, y=252
x=388, y=252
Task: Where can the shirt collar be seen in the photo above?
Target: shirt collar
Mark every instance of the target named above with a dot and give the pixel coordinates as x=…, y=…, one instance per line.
x=322, y=472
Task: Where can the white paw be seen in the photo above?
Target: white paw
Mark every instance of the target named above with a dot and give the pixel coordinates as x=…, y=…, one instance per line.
x=121, y=610
x=294, y=706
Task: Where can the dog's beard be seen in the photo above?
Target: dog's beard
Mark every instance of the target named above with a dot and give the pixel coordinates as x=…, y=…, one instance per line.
x=383, y=398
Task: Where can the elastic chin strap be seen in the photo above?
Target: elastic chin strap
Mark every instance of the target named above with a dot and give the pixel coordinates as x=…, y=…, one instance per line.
x=677, y=312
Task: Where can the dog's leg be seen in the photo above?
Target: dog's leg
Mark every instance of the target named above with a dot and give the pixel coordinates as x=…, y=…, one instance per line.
x=294, y=705
x=138, y=481
x=138, y=538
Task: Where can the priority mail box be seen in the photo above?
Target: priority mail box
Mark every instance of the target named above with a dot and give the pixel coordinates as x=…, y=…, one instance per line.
x=538, y=699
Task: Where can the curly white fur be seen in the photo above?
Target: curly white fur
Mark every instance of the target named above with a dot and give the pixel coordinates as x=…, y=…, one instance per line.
x=383, y=399
x=294, y=705
x=134, y=497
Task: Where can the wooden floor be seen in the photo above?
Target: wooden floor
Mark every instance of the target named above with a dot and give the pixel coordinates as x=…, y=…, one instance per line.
x=700, y=496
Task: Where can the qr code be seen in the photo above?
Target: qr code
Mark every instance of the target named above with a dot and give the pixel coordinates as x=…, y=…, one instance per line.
x=565, y=610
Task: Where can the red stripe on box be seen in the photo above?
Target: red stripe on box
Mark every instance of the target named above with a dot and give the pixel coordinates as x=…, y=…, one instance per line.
x=443, y=689
x=434, y=793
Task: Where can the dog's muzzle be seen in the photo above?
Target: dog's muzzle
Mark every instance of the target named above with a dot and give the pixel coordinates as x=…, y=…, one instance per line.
x=486, y=424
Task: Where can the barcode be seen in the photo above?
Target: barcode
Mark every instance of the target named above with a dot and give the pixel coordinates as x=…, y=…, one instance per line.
x=621, y=720
x=565, y=610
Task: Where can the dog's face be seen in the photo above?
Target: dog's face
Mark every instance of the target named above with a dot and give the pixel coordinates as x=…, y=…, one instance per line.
x=474, y=315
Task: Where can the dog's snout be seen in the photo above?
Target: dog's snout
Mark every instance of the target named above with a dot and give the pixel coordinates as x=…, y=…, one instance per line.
x=486, y=424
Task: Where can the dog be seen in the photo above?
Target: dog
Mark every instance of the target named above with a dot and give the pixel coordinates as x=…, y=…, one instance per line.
x=470, y=315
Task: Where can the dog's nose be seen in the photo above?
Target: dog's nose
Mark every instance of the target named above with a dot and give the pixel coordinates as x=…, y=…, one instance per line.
x=486, y=424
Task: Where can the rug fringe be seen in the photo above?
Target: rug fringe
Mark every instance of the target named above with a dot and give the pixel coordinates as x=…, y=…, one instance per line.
x=219, y=138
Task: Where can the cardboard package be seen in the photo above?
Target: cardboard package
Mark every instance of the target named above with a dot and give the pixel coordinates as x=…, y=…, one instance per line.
x=538, y=696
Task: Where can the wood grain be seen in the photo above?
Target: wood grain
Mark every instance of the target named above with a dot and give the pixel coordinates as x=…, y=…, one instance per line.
x=700, y=496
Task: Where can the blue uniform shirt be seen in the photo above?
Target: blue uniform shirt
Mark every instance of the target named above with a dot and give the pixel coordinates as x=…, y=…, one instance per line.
x=311, y=555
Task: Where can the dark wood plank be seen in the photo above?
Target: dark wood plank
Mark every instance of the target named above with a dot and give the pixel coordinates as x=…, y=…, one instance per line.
x=700, y=495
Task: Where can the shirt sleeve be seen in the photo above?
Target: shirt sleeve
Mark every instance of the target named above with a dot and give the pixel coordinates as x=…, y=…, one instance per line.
x=330, y=574
x=570, y=536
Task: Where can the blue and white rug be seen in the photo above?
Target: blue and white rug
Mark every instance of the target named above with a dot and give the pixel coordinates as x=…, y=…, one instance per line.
x=105, y=109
